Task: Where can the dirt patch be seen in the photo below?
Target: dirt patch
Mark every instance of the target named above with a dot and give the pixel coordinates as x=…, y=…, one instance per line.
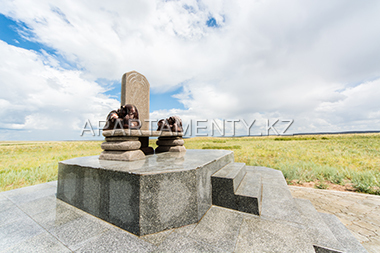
x=324, y=185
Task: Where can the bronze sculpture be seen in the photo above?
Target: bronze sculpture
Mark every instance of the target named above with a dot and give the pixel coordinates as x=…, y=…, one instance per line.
x=127, y=117
x=173, y=124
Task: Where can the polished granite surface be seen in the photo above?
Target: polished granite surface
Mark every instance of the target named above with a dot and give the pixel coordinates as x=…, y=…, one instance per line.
x=34, y=220
x=162, y=191
x=154, y=164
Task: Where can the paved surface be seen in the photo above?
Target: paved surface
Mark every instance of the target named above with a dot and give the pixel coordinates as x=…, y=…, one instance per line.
x=32, y=219
x=360, y=213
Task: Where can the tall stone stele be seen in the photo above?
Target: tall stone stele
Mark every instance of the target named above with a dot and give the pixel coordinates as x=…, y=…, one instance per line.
x=135, y=89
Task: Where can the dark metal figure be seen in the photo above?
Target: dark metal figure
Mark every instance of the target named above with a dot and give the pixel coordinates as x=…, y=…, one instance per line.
x=173, y=124
x=127, y=117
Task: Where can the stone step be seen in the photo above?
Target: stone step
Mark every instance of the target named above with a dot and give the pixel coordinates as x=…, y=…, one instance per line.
x=224, y=184
x=234, y=188
x=319, y=232
x=232, y=173
x=342, y=234
x=248, y=194
x=277, y=201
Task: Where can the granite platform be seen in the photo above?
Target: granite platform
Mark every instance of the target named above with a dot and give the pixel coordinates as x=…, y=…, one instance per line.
x=33, y=219
x=160, y=192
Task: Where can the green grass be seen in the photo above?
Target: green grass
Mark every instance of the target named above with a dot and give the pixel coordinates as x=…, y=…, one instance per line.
x=29, y=163
x=339, y=159
x=352, y=159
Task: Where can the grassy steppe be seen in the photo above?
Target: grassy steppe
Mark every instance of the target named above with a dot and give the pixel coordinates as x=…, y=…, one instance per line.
x=339, y=159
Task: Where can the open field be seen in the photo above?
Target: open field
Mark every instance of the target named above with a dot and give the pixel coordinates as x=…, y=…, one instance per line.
x=350, y=160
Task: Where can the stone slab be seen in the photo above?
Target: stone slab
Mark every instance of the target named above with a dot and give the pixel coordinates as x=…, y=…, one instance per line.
x=114, y=155
x=121, y=145
x=277, y=201
x=234, y=172
x=248, y=194
x=34, y=206
x=320, y=234
x=43, y=242
x=178, y=243
x=116, y=240
x=175, y=142
x=255, y=233
x=224, y=183
x=122, y=138
x=60, y=215
x=219, y=228
x=135, y=90
x=17, y=231
x=161, y=149
x=5, y=204
x=139, y=133
x=259, y=235
x=146, y=196
x=76, y=232
x=20, y=196
x=12, y=213
x=342, y=234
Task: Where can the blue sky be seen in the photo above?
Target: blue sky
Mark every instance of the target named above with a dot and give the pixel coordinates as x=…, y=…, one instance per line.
x=313, y=62
x=11, y=33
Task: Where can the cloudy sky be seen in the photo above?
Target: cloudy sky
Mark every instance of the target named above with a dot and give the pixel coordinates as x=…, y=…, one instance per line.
x=315, y=62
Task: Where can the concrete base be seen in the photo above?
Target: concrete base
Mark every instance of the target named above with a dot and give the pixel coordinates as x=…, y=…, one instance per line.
x=156, y=193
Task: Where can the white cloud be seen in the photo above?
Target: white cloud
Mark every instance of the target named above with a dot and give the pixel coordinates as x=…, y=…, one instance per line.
x=37, y=96
x=310, y=61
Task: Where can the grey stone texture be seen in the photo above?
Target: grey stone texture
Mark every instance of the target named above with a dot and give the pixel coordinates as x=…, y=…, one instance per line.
x=121, y=145
x=344, y=236
x=277, y=201
x=135, y=90
x=260, y=235
x=139, y=133
x=219, y=228
x=161, y=149
x=65, y=228
x=178, y=243
x=43, y=242
x=123, y=148
x=248, y=194
x=43, y=223
x=157, y=193
x=125, y=140
x=359, y=212
x=121, y=138
x=317, y=229
x=129, y=155
x=233, y=187
x=170, y=144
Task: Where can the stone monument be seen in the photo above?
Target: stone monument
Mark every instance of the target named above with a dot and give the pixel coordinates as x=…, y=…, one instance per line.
x=126, y=142
x=171, y=189
x=135, y=89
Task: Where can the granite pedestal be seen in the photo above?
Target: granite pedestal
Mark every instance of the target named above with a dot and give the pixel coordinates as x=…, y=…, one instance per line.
x=160, y=192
